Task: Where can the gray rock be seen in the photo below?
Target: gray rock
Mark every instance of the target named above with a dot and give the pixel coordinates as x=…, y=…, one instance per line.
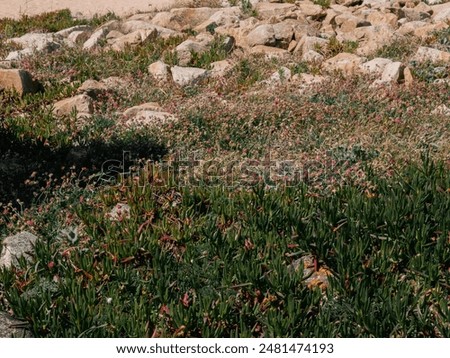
x=12, y=328
x=37, y=41
x=184, y=76
x=15, y=247
x=95, y=39
x=66, y=32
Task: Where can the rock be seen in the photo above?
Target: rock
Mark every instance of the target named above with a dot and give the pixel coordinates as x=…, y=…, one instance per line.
x=280, y=76
x=186, y=48
x=19, y=54
x=376, y=17
x=120, y=212
x=135, y=25
x=224, y=17
x=220, y=68
x=114, y=34
x=312, y=56
x=284, y=34
x=311, y=43
x=409, y=27
x=133, y=39
x=95, y=39
x=159, y=70
x=408, y=77
x=182, y=19
x=269, y=52
x=267, y=10
x=415, y=15
x=16, y=247
x=313, y=276
x=426, y=30
x=372, y=38
x=184, y=76
x=345, y=63
x=81, y=103
x=392, y=73
x=12, y=328
x=147, y=114
x=348, y=22
x=425, y=54
x=92, y=88
x=261, y=35
x=307, y=8
x=78, y=37
x=375, y=66
x=441, y=12
x=37, y=42
x=20, y=81
x=78, y=28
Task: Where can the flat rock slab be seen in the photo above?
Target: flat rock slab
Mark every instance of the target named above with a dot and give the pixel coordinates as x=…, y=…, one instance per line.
x=12, y=328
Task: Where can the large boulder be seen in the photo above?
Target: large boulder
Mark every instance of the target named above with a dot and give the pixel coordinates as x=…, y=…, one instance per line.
x=16, y=247
x=19, y=80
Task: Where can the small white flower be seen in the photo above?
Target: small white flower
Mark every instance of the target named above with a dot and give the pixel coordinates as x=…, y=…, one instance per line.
x=108, y=300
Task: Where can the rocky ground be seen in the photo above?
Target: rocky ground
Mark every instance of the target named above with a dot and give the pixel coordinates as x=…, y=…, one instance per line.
x=322, y=79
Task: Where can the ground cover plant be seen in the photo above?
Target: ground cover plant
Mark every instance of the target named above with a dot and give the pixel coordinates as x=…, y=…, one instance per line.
x=224, y=205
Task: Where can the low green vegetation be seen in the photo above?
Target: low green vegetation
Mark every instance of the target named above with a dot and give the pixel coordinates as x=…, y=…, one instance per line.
x=214, y=262
x=359, y=180
x=47, y=22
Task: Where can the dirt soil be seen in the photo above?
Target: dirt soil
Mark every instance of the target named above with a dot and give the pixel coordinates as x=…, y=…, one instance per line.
x=88, y=8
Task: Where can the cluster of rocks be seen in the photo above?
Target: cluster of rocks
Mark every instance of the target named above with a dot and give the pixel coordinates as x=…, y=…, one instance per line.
x=279, y=29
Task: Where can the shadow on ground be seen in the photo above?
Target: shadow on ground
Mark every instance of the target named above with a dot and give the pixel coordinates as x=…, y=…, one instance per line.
x=25, y=165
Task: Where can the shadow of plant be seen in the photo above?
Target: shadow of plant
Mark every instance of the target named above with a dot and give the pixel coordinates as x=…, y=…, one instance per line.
x=27, y=166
